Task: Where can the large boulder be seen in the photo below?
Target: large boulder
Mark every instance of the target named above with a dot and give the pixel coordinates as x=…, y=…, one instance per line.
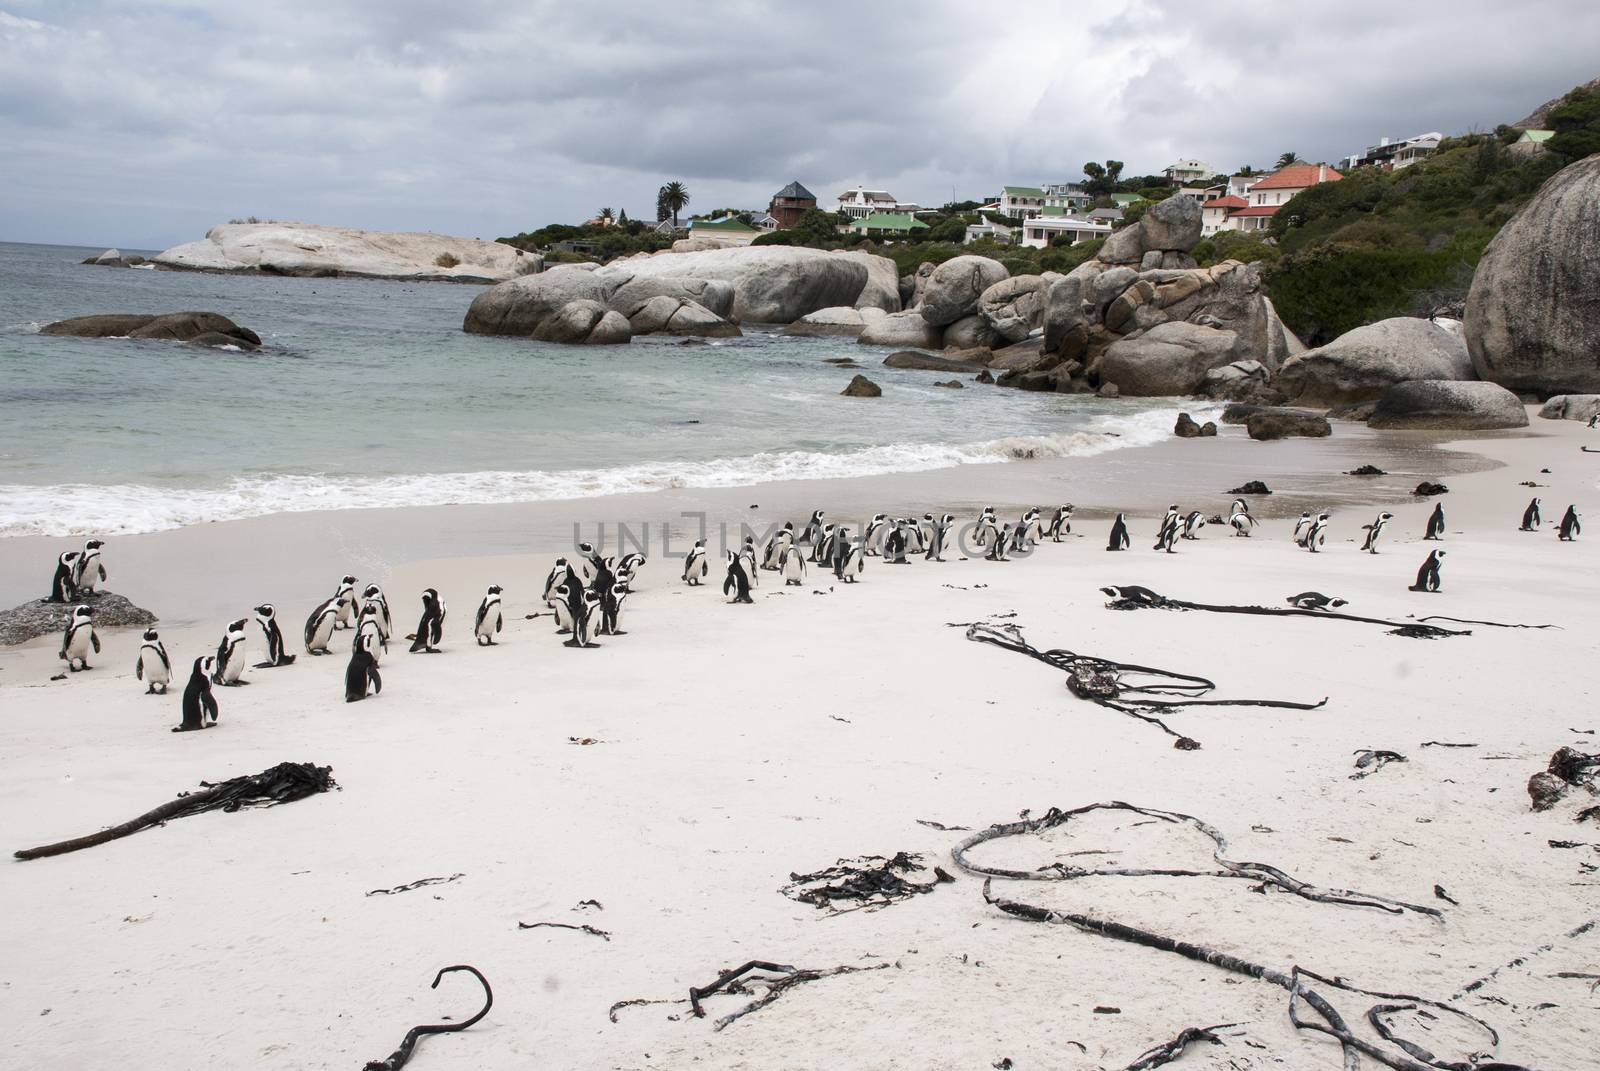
x=1066, y=325
x=1172, y=225
x=843, y=321
x=1240, y=381
x=663, y=315
x=1171, y=358
x=862, y=387
x=882, y=288
x=772, y=284
x=201, y=328
x=905, y=330
x=1014, y=307
x=1448, y=405
x=310, y=249
x=36, y=618
x=628, y=298
x=520, y=307
x=584, y=322
x=1533, y=313
x=1571, y=407
x=1361, y=364
x=956, y=286
x=971, y=332
x=928, y=362
x=1269, y=424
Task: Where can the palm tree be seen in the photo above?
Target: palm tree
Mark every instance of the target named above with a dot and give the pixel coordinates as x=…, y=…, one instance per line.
x=674, y=196
x=1287, y=158
x=604, y=216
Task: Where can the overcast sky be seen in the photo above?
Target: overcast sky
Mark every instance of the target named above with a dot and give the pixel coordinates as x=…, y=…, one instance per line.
x=140, y=123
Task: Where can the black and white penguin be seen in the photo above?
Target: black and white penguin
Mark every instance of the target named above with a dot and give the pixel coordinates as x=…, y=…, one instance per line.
x=1374, y=530
x=627, y=570
x=1119, y=534
x=199, y=704
x=1428, y=575
x=748, y=553
x=1025, y=533
x=431, y=626
x=772, y=553
x=1167, y=538
x=1060, y=523
x=561, y=600
x=793, y=567
x=372, y=593
x=986, y=528
x=153, y=666
x=346, y=603
x=1315, y=600
x=1134, y=593
x=1570, y=528
x=1317, y=534
x=1193, y=521
x=79, y=639
x=1000, y=546
x=1435, y=522
x=369, y=635
x=849, y=558
x=62, y=589
x=695, y=566
x=585, y=621
x=89, y=570
x=322, y=623
x=1301, y=527
x=822, y=546
x=590, y=564
x=486, y=626
x=361, y=674
x=1240, y=519
x=877, y=530
x=896, y=544
x=1531, y=518
x=941, y=536
x=611, y=609
x=814, y=530
x=228, y=668
x=737, y=581
x=267, y=618
x=1171, y=517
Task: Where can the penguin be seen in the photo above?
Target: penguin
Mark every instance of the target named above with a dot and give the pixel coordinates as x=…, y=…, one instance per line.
x=1570, y=528
x=267, y=618
x=369, y=633
x=1025, y=535
x=895, y=546
x=557, y=574
x=62, y=588
x=1428, y=575
x=89, y=570
x=926, y=529
x=1594, y=421
x=849, y=559
x=813, y=530
x=915, y=544
x=586, y=619
x=986, y=528
x=431, y=626
x=321, y=624
x=589, y=563
x=772, y=555
x=1119, y=534
x=1374, y=530
x=1317, y=534
x=561, y=601
x=1000, y=545
x=1240, y=519
x=361, y=673
x=228, y=669
x=153, y=666
x=199, y=702
x=748, y=553
x=486, y=626
x=793, y=567
x=822, y=546
x=1315, y=600
x=1531, y=519
x=695, y=566
x=1134, y=593
x=1060, y=523
x=873, y=537
x=1302, y=526
x=372, y=593
x=1436, y=522
x=1193, y=521
x=627, y=570
x=345, y=602
x=941, y=535
x=78, y=639
x=1171, y=518
x=1167, y=539
x=737, y=582
x=611, y=610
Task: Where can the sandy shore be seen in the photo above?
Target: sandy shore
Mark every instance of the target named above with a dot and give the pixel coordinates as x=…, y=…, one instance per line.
x=737, y=744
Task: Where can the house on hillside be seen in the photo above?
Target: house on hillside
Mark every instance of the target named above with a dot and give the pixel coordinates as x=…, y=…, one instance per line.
x=888, y=225
x=1187, y=172
x=990, y=229
x=1021, y=202
x=728, y=230
x=1047, y=231
x=790, y=203
x=766, y=223
x=1394, y=155
x=1125, y=200
x=1266, y=197
x=1531, y=143
x=861, y=202
x=1068, y=195
x=1214, y=213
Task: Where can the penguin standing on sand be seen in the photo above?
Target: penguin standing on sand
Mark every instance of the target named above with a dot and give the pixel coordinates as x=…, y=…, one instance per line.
x=737, y=581
x=913, y=531
x=321, y=624
x=1428, y=575
x=1119, y=534
x=1531, y=519
x=62, y=588
x=1171, y=518
x=153, y=666
x=561, y=600
x=772, y=553
x=611, y=610
x=361, y=674
x=1060, y=523
x=590, y=564
x=695, y=566
x=89, y=570
x=486, y=626
x=1301, y=527
x=1240, y=518
x=850, y=559
x=813, y=531
x=1570, y=528
x=1374, y=530
x=586, y=618
x=941, y=535
x=228, y=666
x=1167, y=538
x=1025, y=536
x=1436, y=522
x=793, y=567
x=872, y=538
x=1315, y=600
x=1000, y=545
x=1317, y=534
x=1193, y=521
x=431, y=626
x=199, y=703
x=627, y=570
x=986, y=528
x=345, y=603
x=748, y=552
x=894, y=547
x=78, y=639
x=369, y=633
x=373, y=594
x=267, y=618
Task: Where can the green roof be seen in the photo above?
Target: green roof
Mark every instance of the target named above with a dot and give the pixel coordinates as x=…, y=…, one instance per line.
x=726, y=225
x=1025, y=191
x=888, y=221
x=1055, y=210
x=1537, y=135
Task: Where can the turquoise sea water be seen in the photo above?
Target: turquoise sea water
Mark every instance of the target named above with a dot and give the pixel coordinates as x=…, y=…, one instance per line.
x=368, y=393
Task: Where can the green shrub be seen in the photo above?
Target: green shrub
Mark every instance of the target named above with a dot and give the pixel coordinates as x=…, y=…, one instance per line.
x=1063, y=258
x=1323, y=292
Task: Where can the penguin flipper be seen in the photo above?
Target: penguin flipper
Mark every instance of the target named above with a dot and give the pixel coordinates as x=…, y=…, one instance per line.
x=377, y=681
x=138, y=668
x=94, y=641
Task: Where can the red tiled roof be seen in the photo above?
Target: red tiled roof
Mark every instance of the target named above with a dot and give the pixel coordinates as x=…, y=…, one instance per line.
x=1297, y=177
x=1226, y=202
x=1256, y=210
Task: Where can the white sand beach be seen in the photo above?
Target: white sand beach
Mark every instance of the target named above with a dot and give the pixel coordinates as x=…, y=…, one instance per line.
x=734, y=745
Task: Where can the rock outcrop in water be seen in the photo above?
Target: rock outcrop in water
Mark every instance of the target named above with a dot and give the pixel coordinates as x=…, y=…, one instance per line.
x=308, y=249
x=197, y=328
x=114, y=258
x=1360, y=365
x=38, y=618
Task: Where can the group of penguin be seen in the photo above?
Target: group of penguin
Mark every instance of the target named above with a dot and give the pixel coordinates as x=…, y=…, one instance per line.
x=586, y=594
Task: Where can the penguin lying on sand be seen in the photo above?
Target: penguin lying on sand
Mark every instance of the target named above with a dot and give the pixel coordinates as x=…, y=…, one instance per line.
x=1315, y=600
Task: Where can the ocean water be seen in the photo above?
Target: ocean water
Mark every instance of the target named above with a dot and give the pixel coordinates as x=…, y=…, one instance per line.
x=369, y=394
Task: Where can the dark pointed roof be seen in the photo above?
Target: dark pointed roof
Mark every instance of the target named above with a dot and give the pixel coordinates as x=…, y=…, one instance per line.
x=795, y=191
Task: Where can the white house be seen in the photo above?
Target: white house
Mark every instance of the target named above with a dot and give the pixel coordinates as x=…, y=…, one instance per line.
x=861, y=202
x=1068, y=195
x=1266, y=197
x=1197, y=194
x=1062, y=230
x=1185, y=172
x=1023, y=202
x=988, y=228
x=1214, y=214
x=1393, y=155
x=1240, y=185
